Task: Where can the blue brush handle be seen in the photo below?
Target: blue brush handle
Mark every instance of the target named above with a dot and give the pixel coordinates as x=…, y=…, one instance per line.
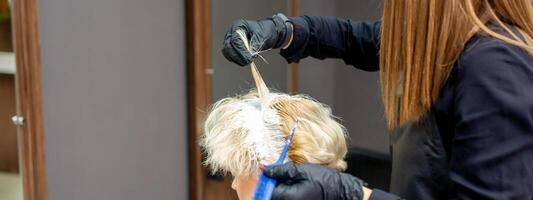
x=265, y=187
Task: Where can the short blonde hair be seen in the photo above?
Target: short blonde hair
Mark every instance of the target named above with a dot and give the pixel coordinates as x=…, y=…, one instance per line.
x=241, y=133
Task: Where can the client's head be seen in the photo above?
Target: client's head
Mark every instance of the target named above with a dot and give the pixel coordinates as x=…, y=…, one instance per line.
x=243, y=133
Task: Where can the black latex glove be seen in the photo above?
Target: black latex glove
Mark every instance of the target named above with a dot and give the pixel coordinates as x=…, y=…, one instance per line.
x=269, y=33
x=311, y=181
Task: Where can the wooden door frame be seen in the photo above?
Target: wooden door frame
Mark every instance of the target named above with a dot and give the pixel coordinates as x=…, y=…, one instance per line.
x=29, y=98
x=198, y=26
x=293, y=10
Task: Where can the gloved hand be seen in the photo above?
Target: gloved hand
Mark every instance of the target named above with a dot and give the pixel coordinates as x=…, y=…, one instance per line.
x=269, y=33
x=312, y=181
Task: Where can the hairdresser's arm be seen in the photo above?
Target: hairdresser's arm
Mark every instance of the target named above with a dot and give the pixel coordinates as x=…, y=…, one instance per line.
x=311, y=181
x=357, y=43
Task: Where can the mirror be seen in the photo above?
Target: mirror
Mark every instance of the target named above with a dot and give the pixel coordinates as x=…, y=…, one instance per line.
x=10, y=173
x=330, y=81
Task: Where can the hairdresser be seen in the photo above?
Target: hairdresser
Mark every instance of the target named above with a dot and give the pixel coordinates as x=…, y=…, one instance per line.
x=457, y=87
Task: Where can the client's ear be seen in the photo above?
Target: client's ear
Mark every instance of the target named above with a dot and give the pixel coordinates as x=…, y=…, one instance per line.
x=261, y=166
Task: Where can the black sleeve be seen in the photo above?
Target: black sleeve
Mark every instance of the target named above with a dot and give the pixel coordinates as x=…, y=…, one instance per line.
x=492, y=149
x=381, y=195
x=357, y=43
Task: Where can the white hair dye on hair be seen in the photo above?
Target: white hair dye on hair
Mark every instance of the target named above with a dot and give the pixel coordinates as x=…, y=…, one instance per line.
x=239, y=135
x=264, y=138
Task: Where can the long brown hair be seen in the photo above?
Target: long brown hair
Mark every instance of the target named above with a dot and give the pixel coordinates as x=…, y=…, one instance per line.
x=421, y=40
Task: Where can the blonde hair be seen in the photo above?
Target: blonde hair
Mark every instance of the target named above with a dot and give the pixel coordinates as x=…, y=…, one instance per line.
x=421, y=40
x=234, y=142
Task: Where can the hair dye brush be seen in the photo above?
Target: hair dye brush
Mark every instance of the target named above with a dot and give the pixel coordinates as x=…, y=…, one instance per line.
x=265, y=185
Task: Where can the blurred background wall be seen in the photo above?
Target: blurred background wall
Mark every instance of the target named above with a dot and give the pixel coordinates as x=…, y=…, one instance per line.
x=113, y=75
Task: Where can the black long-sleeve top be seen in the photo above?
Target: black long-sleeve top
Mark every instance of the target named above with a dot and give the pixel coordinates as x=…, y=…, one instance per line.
x=484, y=112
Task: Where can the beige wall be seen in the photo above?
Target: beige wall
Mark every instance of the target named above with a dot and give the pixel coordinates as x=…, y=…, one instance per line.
x=113, y=74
